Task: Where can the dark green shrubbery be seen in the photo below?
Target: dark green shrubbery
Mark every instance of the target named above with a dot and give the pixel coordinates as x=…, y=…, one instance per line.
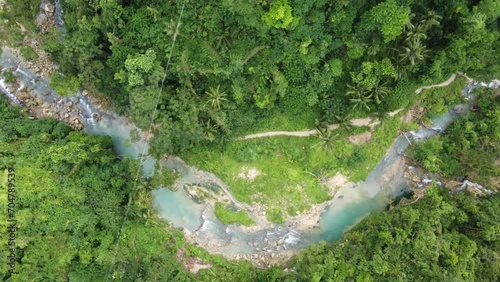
x=470, y=146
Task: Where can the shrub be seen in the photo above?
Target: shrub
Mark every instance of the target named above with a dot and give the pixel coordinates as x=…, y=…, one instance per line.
x=28, y=53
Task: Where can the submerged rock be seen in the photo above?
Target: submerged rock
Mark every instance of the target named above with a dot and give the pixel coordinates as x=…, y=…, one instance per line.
x=459, y=109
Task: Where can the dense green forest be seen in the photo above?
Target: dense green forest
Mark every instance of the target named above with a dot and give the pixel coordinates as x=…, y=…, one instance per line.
x=442, y=236
x=237, y=63
x=241, y=66
x=439, y=238
x=470, y=148
x=72, y=191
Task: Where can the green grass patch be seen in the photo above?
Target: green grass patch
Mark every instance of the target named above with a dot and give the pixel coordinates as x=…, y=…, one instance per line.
x=275, y=215
x=228, y=216
x=358, y=129
x=28, y=53
x=8, y=75
x=289, y=167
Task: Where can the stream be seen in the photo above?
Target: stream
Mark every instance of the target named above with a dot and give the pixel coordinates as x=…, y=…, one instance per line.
x=197, y=220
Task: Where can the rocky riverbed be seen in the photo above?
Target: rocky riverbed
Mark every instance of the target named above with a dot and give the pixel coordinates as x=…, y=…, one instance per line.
x=264, y=243
x=191, y=206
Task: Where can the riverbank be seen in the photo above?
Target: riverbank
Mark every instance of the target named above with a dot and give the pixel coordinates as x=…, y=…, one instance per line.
x=308, y=199
x=281, y=241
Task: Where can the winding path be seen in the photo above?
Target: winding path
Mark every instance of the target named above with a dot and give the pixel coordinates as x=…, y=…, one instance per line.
x=446, y=83
x=442, y=84
x=356, y=122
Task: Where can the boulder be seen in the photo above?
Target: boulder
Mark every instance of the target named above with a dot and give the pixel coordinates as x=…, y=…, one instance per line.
x=96, y=117
x=48, y=8
x=459, y=109
x=23, y=95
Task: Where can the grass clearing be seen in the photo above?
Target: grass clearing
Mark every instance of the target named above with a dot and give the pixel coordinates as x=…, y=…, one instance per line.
x=228, y=216
x=28, y=53
x=290, y=167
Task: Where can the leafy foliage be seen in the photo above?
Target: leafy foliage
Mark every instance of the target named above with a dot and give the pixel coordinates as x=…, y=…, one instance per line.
x=228, y=216
x=256, y=57
x=470, y=147
x=71, y=196
x=438, y=238
x=279, y=15
x=63, y=85
x=389, y=18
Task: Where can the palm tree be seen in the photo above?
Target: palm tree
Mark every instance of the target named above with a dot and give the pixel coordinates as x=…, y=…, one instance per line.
x=326, y=139
x=343, y=121
x=379, y=92
x=360, y=96
x=170, y=27
x=252, y=53
x=431, y=19
x=416, y=34
x=223, y=38
x=216, y=98
x=142, y=202
x=408, y=25
x=415, y=53
x=210, y=131
x=382, y=117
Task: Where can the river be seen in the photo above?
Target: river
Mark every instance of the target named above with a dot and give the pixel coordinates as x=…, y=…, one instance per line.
x=198, y=221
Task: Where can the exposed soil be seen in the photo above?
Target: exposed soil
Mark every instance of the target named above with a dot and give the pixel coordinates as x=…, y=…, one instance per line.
x=192, y=264
x=249, y=173
x=361, y=139
x=304, y=133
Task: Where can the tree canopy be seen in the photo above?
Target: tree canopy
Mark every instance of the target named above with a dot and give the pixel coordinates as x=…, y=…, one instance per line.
x=267, y=56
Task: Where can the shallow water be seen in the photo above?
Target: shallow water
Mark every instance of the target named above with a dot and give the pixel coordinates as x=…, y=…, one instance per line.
x=339, y=217
x=177, y=208
x=199, y=220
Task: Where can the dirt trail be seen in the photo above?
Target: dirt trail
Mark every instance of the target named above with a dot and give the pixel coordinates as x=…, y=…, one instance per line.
x=356, y=122
x=442, y=84
x=277, y=133
x=446, y=83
